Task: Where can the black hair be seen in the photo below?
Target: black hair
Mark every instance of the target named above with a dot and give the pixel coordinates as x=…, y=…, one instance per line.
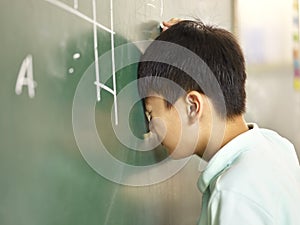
x=196, y=57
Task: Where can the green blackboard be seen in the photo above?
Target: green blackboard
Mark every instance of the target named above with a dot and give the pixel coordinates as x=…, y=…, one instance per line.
x=52, y=53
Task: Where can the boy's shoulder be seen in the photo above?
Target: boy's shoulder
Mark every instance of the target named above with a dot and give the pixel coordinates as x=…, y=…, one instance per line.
x=261, y=168
x=265, y=174
x=251, y=159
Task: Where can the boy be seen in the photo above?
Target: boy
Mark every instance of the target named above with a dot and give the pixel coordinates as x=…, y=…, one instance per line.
x=192, y=78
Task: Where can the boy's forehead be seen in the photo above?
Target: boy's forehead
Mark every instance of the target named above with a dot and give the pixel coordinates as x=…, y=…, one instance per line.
x=154, y=100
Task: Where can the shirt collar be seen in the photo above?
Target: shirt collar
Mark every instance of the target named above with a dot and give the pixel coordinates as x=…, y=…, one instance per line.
x=227, y=154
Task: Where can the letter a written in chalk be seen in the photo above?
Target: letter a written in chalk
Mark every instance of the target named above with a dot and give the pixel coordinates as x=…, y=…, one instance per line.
x=25, y=77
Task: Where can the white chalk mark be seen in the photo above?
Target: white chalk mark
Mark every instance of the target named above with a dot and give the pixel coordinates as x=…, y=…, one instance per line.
x=161, y=7
x=75, y=4
x=104, y=87
x=110, y=207
x=71, y=70
x=76, y=56
x=151, y=5
x=77, y=13
x=113, y=62
x=96, y=50
x=22, y=80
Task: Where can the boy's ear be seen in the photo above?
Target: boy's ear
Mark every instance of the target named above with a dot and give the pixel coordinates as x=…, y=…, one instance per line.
x=194, y=101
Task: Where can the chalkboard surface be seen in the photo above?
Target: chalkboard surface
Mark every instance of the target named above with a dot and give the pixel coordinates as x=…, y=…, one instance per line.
x=50, y=57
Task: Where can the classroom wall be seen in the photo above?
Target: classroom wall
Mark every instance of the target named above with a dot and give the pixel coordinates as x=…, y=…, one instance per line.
x=268, y=43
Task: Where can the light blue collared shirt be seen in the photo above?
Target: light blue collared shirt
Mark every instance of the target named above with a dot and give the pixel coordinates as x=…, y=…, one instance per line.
x=253, y=180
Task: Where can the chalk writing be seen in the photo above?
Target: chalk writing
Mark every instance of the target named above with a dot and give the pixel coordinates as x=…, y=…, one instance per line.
x=96, y=25
x=25, y=77
x=77, y=13
x=75, y=4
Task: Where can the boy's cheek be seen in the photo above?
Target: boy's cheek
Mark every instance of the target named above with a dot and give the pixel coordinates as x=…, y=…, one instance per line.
x=158, y=127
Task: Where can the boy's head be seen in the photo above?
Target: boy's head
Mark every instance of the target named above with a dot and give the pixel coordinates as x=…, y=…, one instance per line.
x=199, y=66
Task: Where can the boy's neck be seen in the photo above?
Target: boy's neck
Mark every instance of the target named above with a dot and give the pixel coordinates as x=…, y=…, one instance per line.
x=232, y=129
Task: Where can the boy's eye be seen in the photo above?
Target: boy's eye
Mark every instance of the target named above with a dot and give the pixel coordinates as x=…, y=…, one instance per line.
x=148, y=115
